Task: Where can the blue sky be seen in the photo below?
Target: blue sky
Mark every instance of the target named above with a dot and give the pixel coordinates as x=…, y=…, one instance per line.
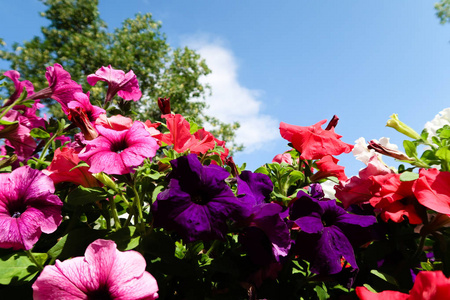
x=298, y=62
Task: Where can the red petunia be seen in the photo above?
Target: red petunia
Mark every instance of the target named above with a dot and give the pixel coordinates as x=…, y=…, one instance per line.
x=313, y=142
x=432, y=190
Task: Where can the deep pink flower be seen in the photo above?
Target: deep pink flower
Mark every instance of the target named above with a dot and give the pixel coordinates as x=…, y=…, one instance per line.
x=429, y=285
x=116, y=122
x=117, y=152
x=28, y=207
x=313, y=142
x=18, y=135
x=125, y=85
x=357, y=189
x=62, y=169
x=83, y=114
x=61, y=87
x=103, y=273
x=19, y=85
x=432, y=190
x=284, y=157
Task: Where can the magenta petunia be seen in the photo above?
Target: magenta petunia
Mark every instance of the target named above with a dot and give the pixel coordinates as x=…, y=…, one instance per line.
x=103, y=273
x=28, y=207
x=125, y=85
x=19, y=85
x=61, y=86
x=117, y=152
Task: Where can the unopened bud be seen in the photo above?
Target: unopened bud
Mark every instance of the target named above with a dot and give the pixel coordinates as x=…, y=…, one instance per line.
x=106, y=180
x=333, y=123
x=388, y=152
x=401, y=127
x=164, y=105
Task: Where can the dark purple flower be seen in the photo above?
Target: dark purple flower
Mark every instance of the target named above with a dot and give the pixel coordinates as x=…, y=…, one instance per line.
x=198, y=202
x=266, y=238
x=328, y=232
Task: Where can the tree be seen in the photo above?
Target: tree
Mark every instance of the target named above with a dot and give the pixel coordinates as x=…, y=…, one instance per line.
x=78, y=39
x=443, y=11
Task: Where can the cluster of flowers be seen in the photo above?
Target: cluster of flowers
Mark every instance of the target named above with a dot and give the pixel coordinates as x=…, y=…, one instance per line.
x=153, y=201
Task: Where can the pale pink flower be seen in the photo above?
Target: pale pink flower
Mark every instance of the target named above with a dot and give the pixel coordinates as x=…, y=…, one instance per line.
x=103, y=273
x=117, y=152
x=124, y=85
x=28, y=207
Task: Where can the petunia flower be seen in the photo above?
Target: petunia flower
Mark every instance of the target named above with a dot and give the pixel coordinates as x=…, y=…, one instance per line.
x=432, y=190
x=429, y=285
x=62, y=169
x=83, y=114
x=28, y=207
x=117, y=152
x=116, y=122
x=328, y=232
x=18, y=135
x=197, y=203
x=328, y=167
x=61, y=87
x=356, y=190
x=313, y=142
x=394, y=198
x=103, y=273
x=19, y=86
x=124, y=85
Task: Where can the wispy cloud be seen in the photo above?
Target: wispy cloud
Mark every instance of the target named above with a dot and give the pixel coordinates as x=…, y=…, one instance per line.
x=230, y=100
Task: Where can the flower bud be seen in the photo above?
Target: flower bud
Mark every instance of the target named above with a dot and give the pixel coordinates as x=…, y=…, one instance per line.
x=401, y=127
x=164, y=105
x=106, y=180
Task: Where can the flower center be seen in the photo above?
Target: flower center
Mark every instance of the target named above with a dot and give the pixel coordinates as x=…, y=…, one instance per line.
x=15, y=211
x=119, y=146
x=200, y=198
x=101, y=294
x=16, y=214
x=328, y=219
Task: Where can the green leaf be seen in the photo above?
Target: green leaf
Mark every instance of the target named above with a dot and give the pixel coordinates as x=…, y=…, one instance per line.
x=82, y=195
x=321, y=293
x=156, y=191
x=385, y=277
x=410, y=148
x=262, y=170
x=56, y=250
x=408, y=176
x=18, y=267
x=80, y=164
x=125, y=238
x=39, y=133
x=443, y=153
x=295, y=176
x=4, y=122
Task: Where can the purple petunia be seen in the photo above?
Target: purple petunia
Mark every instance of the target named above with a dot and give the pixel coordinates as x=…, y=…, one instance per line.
x=198, y=202
x=328, y=232
x=118, y=151
x=103, y=273
x=266, y=238
x=28, y=207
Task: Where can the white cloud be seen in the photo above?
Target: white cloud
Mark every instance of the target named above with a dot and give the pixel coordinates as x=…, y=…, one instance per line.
x=230, y=100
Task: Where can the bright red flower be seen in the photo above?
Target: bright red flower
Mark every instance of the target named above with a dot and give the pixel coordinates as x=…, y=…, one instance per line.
x=328, y=167
x=60, y=169
x=395, y=198
x=313, y=142
x=429, y=285
x=432, y=190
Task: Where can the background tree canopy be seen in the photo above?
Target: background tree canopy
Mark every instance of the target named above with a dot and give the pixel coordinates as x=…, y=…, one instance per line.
x=78, y=39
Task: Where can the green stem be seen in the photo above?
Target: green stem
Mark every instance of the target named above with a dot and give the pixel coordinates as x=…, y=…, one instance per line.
x=112, y=205
x=16, y=102
x=137, y=202
x=34, y=260
x=213, y=246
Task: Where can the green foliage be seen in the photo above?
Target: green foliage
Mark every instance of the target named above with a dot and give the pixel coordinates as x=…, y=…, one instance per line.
x=78, y=39
x=443, y=11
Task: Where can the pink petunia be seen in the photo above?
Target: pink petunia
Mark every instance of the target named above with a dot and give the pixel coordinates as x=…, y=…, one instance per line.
x=61, y=87
x=28, y=207
x=19, y=85
x=313, y=142
x=103, y=273
x=328, y=167
x=117, y=152
x=124, y=85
